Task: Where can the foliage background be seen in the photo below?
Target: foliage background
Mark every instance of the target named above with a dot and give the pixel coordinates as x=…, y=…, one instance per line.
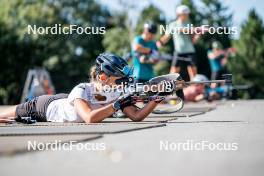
x=58, y=53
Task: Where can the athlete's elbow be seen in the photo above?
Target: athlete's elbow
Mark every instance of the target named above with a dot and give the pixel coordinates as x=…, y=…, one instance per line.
x=88, y=121
x=138, y=118
x=136, y=47
x=91, y=119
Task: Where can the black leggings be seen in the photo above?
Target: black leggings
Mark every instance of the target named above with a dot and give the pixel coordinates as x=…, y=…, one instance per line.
x=185, y=59
x=36, y=108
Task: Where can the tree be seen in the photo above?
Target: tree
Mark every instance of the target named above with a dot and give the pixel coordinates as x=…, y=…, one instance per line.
x=117, y=41
x=150, y=13
x=216, y=14
x=17, y=50
x=195, y=15
x=117, y=38
x=246, y=66
x=67, y=57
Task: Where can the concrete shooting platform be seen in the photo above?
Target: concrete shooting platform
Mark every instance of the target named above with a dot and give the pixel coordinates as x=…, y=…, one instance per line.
x=139, y=152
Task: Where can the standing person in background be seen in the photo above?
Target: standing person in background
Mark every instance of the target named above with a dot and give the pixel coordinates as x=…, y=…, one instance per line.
x=183, y=43
x=144, y=45
x=218, y=59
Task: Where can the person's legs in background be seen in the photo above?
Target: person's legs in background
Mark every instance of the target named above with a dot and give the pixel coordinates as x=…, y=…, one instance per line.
x=174, y=69
x=175, y=65
x=214, y=75
x=191, y=65
x=192, y=71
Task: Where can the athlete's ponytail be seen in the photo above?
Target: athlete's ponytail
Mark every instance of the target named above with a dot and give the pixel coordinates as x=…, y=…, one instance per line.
x=93, y=74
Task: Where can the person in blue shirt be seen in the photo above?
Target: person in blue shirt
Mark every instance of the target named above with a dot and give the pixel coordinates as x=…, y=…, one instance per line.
x=144, y=46
x=218, y=60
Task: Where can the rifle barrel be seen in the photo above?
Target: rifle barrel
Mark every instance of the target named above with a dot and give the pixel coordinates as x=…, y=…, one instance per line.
x=206, y=82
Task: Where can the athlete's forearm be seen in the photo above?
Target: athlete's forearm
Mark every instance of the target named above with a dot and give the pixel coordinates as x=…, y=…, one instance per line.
x=99, y=114
x=164, y=39
x=195, y=38
x=142, y=49
x=144, y=112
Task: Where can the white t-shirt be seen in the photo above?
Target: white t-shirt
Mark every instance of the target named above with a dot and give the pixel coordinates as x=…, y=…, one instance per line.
x=62, y=110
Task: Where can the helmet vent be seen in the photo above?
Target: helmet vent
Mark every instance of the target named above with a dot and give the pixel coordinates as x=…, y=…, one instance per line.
x=118, y=66
x=109, y=68
x=100, y=60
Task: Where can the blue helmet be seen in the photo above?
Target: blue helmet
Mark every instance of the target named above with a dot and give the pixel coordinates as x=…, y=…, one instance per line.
x=113, y=65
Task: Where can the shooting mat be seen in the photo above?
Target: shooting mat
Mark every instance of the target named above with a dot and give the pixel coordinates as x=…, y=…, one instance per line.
x=100, y=128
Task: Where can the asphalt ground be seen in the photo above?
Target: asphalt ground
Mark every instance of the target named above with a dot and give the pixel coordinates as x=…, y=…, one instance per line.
x=231, y=136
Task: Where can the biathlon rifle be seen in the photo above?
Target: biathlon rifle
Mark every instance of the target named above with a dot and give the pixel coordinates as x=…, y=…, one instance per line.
x=139, y=93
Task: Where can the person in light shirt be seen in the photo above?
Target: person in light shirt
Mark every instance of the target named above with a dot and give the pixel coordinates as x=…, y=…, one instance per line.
x=85, y=103
x=184, y=40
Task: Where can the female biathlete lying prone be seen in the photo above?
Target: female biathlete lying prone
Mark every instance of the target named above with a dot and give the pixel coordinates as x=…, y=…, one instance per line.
x=84, y=104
